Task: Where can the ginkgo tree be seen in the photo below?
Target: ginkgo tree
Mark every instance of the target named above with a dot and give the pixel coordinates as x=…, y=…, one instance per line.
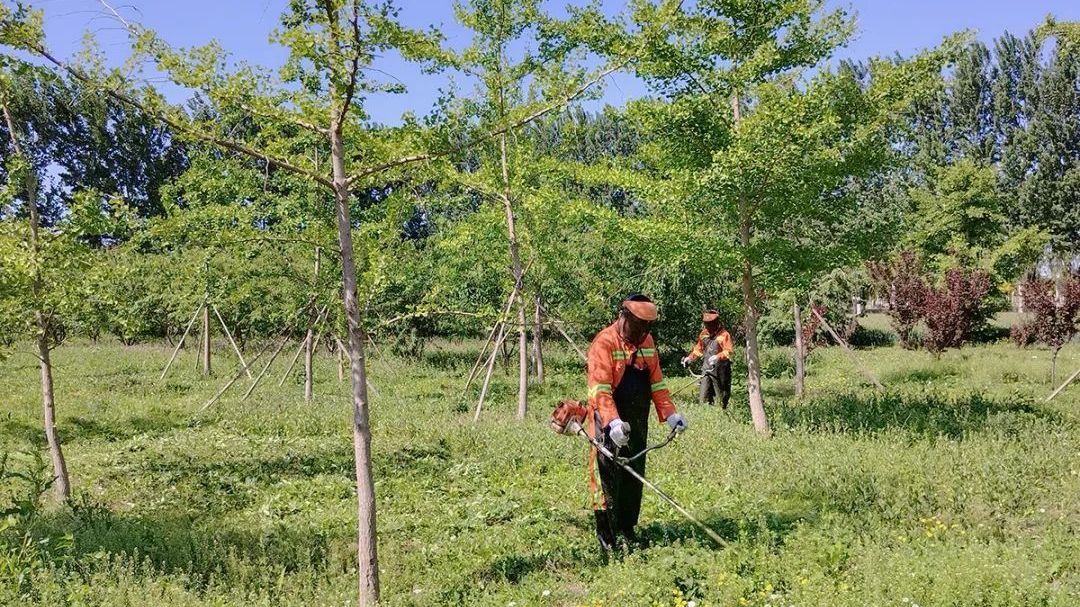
x=755, y=152
x=41, y=265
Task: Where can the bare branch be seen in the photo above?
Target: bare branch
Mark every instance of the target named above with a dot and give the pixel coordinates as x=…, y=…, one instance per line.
x=191, y=132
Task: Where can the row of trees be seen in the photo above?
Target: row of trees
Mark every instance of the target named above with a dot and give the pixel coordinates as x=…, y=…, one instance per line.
x=749, y=173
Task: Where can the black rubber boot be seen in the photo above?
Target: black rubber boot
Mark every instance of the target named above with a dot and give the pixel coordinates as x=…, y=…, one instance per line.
x=604, y=534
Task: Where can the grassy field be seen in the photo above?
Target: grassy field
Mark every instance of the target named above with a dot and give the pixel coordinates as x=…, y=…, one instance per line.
x=957, y=487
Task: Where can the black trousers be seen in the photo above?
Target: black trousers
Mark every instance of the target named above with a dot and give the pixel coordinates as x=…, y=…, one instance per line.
x=716, y=382
x=622, y=492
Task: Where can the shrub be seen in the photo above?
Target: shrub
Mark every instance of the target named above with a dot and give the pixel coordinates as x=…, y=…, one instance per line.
x=901, y=281
x=1055, y=312
x=864, y=337
x=953, y=311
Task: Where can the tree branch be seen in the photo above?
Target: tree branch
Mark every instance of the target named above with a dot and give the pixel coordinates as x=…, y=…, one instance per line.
x=540, y=113
x=189, y=131
x=354, y=69
x=297, y=121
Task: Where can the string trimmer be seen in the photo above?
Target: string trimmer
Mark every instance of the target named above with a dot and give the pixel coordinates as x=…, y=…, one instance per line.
x=567, y=419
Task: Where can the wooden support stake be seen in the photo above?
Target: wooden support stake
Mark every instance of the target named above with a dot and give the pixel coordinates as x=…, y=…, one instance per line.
x=284, y=335
x=538, y=338
x=800, y=353
x=309, y=349
x=231, y=340
x=865, y=371
x=340, y=363
x=1063, y=386
x=303, y=344
x=205, y=351
x=498, y=326
x=490, y=368
x=292, y=363
x=180, y=343
x=558, y=326
x=269, y=362
x=235, y=377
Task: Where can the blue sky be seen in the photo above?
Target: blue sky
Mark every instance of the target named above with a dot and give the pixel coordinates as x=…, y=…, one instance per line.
x=242, y=27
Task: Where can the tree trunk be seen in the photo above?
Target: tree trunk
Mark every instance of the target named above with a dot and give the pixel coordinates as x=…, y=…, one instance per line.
x=367, y=549
x=800, y=354
x=204, y=349
x=538, y=336
x=753, y=358
x=309, y=349
x=61, y=481
x=1053, y=366
x=340, y=363
x=515, y=265
x=62, y=484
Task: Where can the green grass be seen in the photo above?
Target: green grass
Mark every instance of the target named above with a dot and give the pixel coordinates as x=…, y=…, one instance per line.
x=958, y=486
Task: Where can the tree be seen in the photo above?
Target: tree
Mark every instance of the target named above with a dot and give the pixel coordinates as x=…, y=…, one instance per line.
x=92, y=143
x=340, y=39
x=745, y=143
x=28, y=261
x=497, y=26
x=1055, y=315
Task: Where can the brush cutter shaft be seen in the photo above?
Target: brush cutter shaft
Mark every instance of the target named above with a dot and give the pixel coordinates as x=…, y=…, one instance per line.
x=622, y=463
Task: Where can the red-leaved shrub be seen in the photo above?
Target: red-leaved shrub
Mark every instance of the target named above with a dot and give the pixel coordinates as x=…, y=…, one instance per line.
x=1055, y=313
x=901, y=281
x=954, y=310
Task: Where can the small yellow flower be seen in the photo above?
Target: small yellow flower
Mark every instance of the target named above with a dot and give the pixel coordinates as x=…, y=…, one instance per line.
x=743, y=601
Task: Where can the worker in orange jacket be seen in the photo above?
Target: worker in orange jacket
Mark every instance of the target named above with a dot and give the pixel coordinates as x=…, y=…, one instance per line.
x=624, y=376
x=714, y=346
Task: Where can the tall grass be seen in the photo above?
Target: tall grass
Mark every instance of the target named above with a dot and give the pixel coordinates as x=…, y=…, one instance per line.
x=957, y=486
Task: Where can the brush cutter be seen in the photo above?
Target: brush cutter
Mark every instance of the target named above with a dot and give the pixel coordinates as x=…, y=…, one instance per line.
x=567, y=419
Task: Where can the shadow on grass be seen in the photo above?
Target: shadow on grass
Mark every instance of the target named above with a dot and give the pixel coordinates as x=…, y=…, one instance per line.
x=75, y=429
x=460, y=361
x=204, y=550
x=83, y=428
x=770, y=527
x=921, y=375
x=923, y=414
x=22, y=431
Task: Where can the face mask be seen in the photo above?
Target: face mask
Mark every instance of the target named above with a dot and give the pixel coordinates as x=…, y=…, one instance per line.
x=634, y=329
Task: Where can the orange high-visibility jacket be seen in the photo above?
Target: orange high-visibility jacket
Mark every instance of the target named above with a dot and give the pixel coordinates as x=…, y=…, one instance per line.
x=608, y=356
x=726, y=345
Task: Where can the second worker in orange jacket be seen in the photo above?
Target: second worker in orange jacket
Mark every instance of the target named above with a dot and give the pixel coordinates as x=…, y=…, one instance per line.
x=714, y=346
